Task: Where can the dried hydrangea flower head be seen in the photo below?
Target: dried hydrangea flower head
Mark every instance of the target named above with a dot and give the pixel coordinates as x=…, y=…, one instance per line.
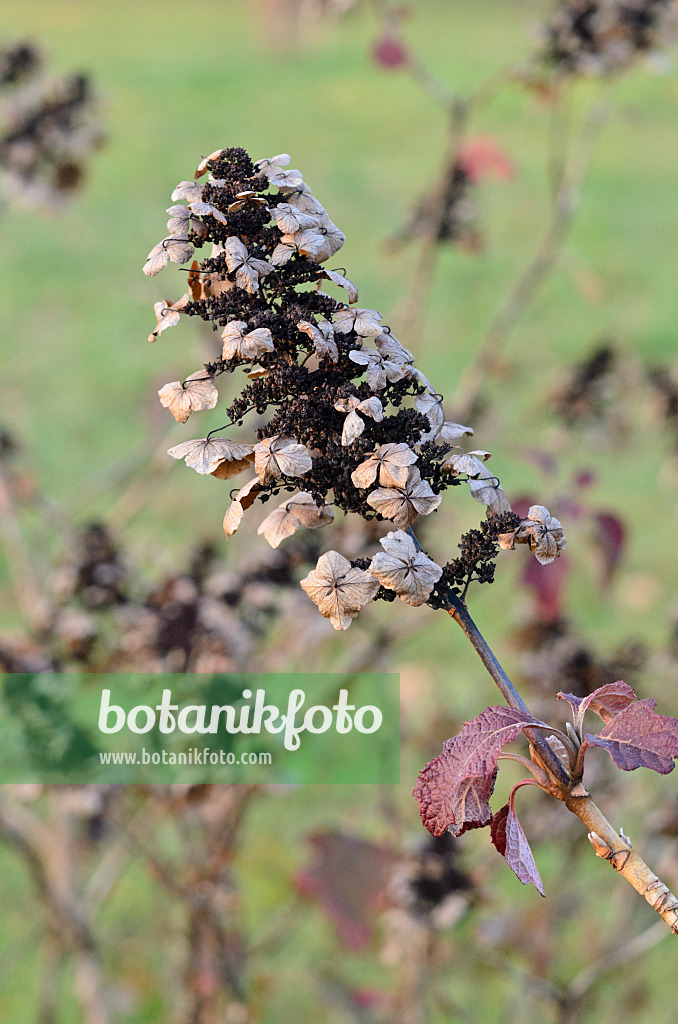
x=47, y=129
x=605, y=36
x=350, y=423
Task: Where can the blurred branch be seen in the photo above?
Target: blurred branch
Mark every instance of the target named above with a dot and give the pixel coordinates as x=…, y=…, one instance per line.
x=28, y=596
x=46, y=852
x=565, y=203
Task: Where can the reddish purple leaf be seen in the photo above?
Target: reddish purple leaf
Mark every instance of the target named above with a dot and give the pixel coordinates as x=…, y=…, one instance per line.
x=585, y=478
x=610, y=536
x=638, y=738
x=547, y=582
x=511, y=841
x=454, y=789
x=607, y=701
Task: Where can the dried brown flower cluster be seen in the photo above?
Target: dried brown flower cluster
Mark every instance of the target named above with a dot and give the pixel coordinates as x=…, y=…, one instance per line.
x=47, y=130
x=605, y=36
x=106, y=611
x=352, y=423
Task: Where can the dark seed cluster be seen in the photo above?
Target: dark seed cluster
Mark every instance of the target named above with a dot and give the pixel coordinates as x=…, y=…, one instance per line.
x=603, y=36
x=476, y=563
x=47, y=131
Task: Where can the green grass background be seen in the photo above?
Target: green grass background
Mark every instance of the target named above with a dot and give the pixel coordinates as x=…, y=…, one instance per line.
x=178, y=80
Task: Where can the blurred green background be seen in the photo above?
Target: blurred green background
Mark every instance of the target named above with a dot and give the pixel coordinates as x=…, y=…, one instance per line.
x=178, y=80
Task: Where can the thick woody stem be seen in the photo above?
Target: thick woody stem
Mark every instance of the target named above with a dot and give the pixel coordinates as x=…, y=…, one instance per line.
x=609, y=845
x=546, y=756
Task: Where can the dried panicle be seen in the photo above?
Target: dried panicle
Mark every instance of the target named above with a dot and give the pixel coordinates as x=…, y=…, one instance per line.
x=345, y=420
x=591, y=37
x=48, y=130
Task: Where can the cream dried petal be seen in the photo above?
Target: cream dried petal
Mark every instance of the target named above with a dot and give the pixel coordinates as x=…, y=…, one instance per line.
x=338, y=589
x=175, y=248
x=365, y=322
x=284, y=178
x=201, y=209
x=486, y=490
x=333, y=238
x=311, y=515
x=300, y=510
x=187, y=190
x=390, y=462
x=195, y=394
x=301, y=198
x=431, y=405
x=289, y=220
x=352, y=428
x=465, y=462
x=283, y=253
x=202, y=166
x=378, y=371
x=238, y=345
x=167, y=315
x=390, y=348
x=403, y=505
x=247, y=198
x=272, y=165
x=343, y=282
x=371, y=407
x=280, y=456
x=309, y=242
x=278, y=525
x=179, y=222
x=322, y=336
x=206, y=454
x=405, y=569
x=241, y=502
x=453, y=432
x=347, y=404
x=543, y=532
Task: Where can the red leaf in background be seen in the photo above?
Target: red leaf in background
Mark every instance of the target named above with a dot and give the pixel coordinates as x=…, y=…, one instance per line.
x=638, y=738
x=585, y=478
x=348, y=878
x=607, y=701
x=610, y=536
x=454, y=789
x=547, y=582
x=481, y=158
x=389, y=52
x=511, y=841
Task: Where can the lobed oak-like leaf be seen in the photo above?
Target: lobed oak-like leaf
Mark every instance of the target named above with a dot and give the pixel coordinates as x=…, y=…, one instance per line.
x=607, y=701
x=511, y=842
x=454, y=789
x=638, y=738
